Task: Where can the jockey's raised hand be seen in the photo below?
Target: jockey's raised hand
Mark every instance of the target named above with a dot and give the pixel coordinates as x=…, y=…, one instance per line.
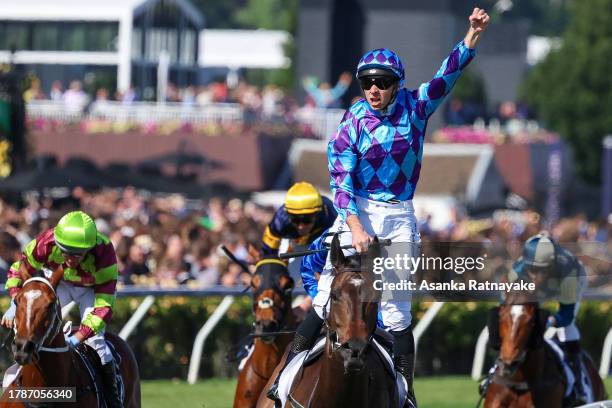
x=479, y=20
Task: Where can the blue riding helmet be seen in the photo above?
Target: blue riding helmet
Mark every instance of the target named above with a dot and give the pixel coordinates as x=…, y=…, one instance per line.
x=539, y=251
x=381, y=59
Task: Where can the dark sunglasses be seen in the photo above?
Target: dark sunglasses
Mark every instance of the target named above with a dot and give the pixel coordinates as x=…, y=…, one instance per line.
x=381, y=82
x=72, y=251
x=302, y=219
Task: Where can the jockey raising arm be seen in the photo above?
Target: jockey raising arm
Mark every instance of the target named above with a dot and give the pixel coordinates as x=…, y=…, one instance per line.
x=90, y=279
x=374, y=160
x=407, y=112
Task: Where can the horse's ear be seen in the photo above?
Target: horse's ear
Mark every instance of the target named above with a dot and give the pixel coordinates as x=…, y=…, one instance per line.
x=254, y=253
x=56, y=277
x=373, y=253
x=374, y=248
x=336, y=256
x=24, y=274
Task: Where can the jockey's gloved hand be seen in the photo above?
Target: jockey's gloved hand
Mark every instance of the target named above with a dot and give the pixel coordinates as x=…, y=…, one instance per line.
x=551, y=322
x=9, y=315
x=72, y=341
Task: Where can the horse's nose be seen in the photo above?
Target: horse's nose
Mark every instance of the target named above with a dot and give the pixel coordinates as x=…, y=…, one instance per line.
x=508, y=368
x=22, y=350
x=266, y=325
x=356, y=347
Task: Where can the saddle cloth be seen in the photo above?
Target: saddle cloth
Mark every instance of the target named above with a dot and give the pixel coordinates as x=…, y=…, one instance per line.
x=92, y=363
x=250, y=349
x=308, y=357
x=571, y=380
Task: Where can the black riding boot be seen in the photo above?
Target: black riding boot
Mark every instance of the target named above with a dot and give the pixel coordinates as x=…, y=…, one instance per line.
x=305, y=336
x=572, y=349
x=403, y=357
x=111, y=388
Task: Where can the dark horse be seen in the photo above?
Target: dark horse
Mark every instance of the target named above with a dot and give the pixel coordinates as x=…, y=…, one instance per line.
x=272, y=287
x=349, y=373
x=46, y=359
x=527, y=373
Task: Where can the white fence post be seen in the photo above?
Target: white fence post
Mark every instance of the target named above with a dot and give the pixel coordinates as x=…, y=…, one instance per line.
x=424, y=323
x=606, y=354
x=198, y=344
x=480, y=353
x=138, y=315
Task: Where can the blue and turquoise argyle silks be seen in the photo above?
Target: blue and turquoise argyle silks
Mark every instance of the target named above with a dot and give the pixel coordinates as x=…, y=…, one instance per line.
x=379, y=156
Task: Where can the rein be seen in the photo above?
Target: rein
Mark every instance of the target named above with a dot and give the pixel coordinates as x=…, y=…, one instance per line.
x=54, y=326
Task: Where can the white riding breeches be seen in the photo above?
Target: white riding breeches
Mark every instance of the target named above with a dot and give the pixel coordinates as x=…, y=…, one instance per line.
x=396, y=222
x=84, y=298
x=570, y=332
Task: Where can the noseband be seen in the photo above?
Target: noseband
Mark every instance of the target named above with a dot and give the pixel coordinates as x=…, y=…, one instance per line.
x=54, y=326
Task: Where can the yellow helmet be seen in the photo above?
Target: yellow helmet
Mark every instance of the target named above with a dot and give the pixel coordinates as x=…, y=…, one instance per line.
x=303, y=198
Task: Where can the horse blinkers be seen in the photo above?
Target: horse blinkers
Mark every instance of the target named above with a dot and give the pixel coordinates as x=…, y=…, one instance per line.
x=272, y=288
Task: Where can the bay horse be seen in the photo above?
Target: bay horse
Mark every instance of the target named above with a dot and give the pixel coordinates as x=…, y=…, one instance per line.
x=47, y=361
x=527, y=373
x=349, y=373
x=275, y=322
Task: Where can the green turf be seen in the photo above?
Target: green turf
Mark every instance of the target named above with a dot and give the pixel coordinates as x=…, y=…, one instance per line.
x=432, y=392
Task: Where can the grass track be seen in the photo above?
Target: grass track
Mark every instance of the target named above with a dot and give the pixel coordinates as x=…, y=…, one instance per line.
x=432, y=392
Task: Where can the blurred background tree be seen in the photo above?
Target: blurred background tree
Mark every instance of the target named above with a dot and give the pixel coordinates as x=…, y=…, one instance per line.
x=571, y=89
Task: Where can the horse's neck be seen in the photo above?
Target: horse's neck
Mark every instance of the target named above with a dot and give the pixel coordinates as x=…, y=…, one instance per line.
x=51, y=369
x=532, y=368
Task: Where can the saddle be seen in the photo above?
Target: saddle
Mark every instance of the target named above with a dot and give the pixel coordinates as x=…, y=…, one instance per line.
x=382, y=343
x=91, y=361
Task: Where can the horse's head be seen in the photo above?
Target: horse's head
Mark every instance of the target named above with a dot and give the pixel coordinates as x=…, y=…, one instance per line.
x=521, y=328
x=354, y=304
x=37, y=318
x=272, y=287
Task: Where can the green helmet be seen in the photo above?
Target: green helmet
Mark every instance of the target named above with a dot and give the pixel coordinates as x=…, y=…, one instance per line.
x=75, y=232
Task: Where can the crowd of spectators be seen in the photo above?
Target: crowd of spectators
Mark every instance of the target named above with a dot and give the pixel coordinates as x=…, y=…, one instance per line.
x=170, y=241
x=268, y=102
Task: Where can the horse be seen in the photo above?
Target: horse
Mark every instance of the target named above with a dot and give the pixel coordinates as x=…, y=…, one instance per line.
x=45, y=358
x=349, y=373
x=275, y=321
x=528, y=374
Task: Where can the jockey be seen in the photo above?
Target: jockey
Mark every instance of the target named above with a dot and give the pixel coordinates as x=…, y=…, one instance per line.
x=374, y=161
x=303, y=217
x=557, y=275
x=90, y=279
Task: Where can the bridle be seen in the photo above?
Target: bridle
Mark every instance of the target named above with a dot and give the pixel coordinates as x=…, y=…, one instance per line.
x=332, y=335
x=54, y=327
x=511, y=368
x=267, y=302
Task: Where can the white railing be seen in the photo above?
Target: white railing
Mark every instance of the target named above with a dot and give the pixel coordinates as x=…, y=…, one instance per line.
x=151, y=112
x=322, y=122
x=139, y=112
x=229, y=295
